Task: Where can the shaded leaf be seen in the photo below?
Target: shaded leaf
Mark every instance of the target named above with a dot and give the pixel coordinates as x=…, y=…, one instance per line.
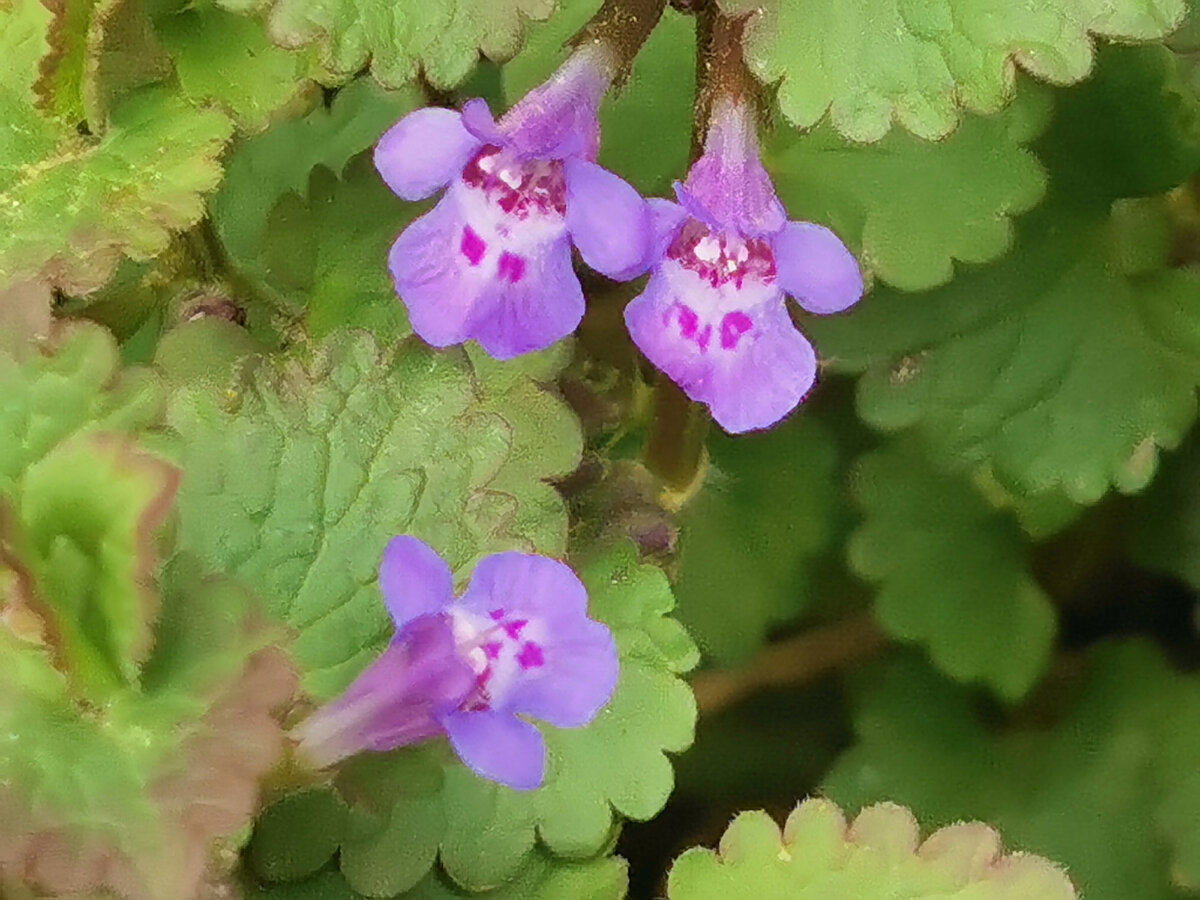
x=264, y=168
x=1054, y=366
x=953, y=573
x=328, y=253
x=1166, y=533
x=229, y=59
x=744, y=552
x=542, y=878
x=1111, y=792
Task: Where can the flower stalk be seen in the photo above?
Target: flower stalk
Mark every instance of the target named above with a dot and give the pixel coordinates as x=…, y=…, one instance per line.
x=620, y=27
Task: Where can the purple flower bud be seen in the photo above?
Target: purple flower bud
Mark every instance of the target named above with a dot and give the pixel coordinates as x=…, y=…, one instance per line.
x=517, y=643
x=492, y=261
x=713, y=316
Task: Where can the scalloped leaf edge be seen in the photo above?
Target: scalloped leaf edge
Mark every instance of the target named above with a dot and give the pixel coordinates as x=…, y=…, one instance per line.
x=969, y=853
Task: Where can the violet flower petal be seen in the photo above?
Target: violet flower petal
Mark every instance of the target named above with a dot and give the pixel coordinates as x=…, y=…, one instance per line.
x=398, y=699
x=666, y=218
x=748, y=363
x=477, y=118
x=424, y=151
x=415, y=581
x=532, y=584
x=657, y=322
x=498, y=746
x=531, y=304
x=577, y=668
x=768, y=380
x=579, y=677
x=559, y=119
x=438, y=287
x=729, y=181
x=694, y=207
x=814, y=266
x=608, y=220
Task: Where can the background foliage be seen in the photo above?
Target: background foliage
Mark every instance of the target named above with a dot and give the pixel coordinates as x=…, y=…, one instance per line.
x=962, y=577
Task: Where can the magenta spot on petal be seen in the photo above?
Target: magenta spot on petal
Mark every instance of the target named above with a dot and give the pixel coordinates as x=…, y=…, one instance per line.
x=722, y=257
x=511, y=267
x=473, y=247
x=492, y=649
x=703, y=338
x=688, y=322
x=519, y=187
x=531, y=656
x=496, y=614
x=515, y=627
x=733, y=326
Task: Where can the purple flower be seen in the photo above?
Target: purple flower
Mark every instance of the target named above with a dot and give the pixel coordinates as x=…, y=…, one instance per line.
x=492, y=261
x=517, y=643
x=713, y=316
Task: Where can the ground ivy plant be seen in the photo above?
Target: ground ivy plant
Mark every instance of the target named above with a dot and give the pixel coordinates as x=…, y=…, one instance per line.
x=590, y=449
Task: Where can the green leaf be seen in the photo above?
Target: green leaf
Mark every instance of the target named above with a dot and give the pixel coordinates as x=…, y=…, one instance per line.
x=100, y=52
x=743, y=551
x=879, y=856
x=297, y=477
x=262, y=169
x=646, y=122
x=1112, y=792
x=88, y=513
x=912, y=207
x=441, y=39
x=871, y=62
x=1166, y=533
x=23, y=45
x=73, y=388
x=1054, y=366
x=228, y=58
x=203, y=351
x=297, y=835
x=541, y=878
x=129, y=797
x=59, y=399
x=1132, y=130
x=325, y=885
x=329, y=252
x=70, y=206
x=953, y=573
x=419, y=804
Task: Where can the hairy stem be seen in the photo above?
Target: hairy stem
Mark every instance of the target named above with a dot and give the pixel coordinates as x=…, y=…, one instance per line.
x=621, y=27
x=720, y=68
x=675, y=452
x=796, y=661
